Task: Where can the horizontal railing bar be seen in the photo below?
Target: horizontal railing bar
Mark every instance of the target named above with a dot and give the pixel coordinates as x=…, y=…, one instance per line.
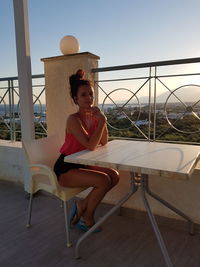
x=15, y=87
x=36, y=76
x=38, y=85
x=151, y=140
x=176, y=75
x=176, y=142
x=123, y=67
x=129, y=138
x=124, y=79
x=147, y=77
x=148, y=64
x=3, y=88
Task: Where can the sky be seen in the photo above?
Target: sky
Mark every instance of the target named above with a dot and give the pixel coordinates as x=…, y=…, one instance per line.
x=120, y=32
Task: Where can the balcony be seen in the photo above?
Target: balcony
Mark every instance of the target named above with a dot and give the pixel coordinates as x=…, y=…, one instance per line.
x=126, y=238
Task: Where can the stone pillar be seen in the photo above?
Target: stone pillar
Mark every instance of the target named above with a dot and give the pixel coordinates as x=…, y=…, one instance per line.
x=58, y=100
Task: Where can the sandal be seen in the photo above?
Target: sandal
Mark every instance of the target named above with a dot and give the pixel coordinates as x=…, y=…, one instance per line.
x=74, y=212
x=83, y=227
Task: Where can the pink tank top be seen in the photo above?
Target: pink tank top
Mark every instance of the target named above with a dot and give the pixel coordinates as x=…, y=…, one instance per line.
x=72, y=145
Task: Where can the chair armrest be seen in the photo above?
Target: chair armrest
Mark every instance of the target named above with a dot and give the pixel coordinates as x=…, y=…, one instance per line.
x=36, y=169
x=39, y=169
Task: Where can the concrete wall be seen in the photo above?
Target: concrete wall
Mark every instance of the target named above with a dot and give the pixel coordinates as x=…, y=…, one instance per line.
x=13, y=164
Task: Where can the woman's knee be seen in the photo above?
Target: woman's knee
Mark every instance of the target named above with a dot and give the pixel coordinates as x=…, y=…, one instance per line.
x=116, y=179
x=104, y=181
x=114, y=176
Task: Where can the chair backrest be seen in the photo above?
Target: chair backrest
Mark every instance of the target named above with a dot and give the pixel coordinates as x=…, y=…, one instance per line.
x=43, y=151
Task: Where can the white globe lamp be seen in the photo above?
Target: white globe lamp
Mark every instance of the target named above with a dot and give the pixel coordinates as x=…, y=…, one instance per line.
x=69, y=45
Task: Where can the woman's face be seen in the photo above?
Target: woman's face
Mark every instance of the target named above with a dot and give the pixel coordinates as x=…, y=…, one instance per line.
x=85, y=96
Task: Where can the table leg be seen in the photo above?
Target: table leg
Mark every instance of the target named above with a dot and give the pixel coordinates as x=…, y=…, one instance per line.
x=154, y=223
x=169, y=206
x=133, y=189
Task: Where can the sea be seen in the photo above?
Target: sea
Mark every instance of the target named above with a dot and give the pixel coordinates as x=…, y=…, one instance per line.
x=38, y=109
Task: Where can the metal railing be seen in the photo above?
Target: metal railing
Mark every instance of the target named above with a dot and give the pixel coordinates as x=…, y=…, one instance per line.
x=10, y=123
x=155, y=101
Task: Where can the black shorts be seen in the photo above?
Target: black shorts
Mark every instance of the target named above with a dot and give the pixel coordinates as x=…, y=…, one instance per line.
x=62, y=167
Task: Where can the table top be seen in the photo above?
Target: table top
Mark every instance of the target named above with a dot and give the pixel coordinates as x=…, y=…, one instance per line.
x=152, y=158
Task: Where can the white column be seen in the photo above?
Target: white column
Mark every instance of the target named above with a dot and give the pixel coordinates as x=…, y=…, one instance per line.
x=57, y=89
x=24, y=68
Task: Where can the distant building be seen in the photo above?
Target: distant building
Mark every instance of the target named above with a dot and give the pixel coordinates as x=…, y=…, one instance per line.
x=141, y=122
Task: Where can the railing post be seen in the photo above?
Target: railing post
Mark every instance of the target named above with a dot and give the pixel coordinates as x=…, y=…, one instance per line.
x=10, y=109
x=149, y=125
x=13, y=112
x=154, y=123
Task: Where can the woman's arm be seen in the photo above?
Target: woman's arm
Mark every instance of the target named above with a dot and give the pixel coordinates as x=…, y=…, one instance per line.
x=75, y=127
x=104, y=137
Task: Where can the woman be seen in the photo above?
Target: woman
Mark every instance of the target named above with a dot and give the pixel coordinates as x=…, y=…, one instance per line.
x=85, y=129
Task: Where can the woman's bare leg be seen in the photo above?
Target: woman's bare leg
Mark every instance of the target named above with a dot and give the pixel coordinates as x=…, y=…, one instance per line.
x=87, y=178
x=113, y=174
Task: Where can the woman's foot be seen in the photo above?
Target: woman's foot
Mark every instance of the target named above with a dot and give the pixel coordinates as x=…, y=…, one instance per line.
x=84, y=227
x=74, y=217
x=78, y=209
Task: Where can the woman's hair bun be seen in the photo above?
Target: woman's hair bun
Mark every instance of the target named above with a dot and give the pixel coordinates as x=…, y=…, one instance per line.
x=76, y=77
x=80, y=74
x=77, y=80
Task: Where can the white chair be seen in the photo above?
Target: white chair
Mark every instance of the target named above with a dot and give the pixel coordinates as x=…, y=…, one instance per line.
x=42, y=154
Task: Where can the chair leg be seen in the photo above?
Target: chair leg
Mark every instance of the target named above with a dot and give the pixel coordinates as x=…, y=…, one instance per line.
x=29, y=211
x=61, y=203
x=67, y=223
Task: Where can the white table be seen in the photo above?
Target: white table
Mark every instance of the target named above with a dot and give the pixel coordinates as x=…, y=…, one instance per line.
x=142, y=159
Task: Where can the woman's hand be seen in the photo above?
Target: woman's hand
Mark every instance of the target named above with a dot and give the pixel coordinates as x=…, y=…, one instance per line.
x=96, y=112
